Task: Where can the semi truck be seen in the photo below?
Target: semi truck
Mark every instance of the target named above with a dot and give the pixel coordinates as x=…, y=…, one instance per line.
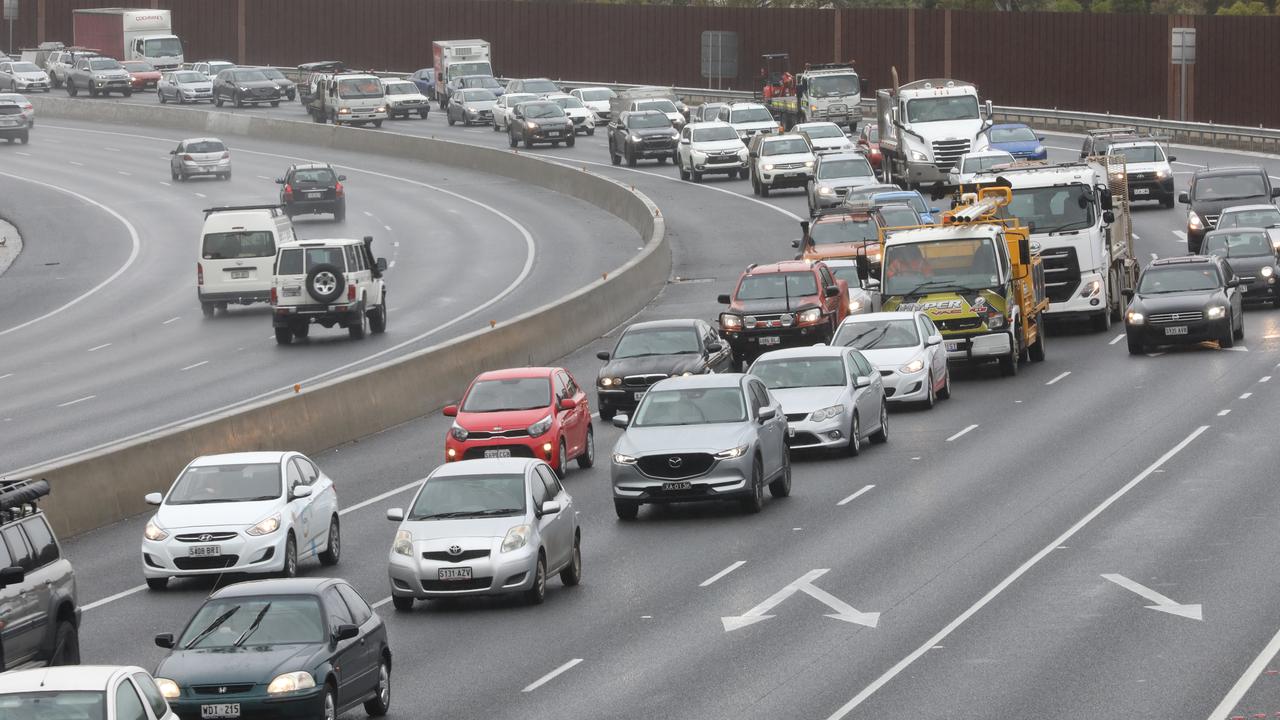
x=455, y=58
x=129, y=34
x=925, y=126
x=830, y=92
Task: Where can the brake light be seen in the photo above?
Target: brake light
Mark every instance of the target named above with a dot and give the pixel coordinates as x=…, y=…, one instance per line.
x=199, y=274
x=351, y=292
x=275, y=299
x=188, y=158
x=226, y=156
x=288, y=192
x=338, y=189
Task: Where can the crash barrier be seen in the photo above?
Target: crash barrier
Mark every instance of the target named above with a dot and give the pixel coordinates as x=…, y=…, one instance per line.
x=100, y=487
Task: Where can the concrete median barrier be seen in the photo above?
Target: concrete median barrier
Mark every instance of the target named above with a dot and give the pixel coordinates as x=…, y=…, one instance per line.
x=98, y=488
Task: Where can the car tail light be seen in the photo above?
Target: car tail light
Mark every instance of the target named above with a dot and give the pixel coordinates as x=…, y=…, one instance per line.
x=199, y=274
x=288, y=192
x=351, y=292
x=338, y=189
x=188, y=158
x=275, y=298
x=226, y=156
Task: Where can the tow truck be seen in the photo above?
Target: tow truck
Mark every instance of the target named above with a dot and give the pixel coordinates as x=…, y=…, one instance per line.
x=830, y=92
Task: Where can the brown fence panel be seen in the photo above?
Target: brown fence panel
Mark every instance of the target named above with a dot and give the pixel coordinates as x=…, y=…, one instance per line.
x=1234, y=70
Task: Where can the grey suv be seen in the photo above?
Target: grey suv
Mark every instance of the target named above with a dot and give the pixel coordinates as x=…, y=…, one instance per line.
x=37, y=585
x=701, y=437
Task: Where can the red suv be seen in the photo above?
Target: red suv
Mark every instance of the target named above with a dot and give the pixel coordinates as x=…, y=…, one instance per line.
x=524, y=412
x=788, y=304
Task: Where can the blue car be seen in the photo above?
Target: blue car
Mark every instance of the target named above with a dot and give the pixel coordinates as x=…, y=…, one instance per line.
x=1018, y=140
x=425, y=79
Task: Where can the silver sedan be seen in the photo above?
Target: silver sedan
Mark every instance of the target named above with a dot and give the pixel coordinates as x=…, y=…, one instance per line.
x=184, y=86
x=22, y=76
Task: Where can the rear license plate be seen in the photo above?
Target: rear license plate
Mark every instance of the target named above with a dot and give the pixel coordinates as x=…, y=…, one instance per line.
x=1176, y=330
x=292, y=292
x=204, y=551
x=239, y=274
x=770, y=340
x=499, y=453
x=1142, y=191
x=639, y=395
x=686, y=485
x=221, y=710
x=462, y=573
x=953, y=347
x=314, y=195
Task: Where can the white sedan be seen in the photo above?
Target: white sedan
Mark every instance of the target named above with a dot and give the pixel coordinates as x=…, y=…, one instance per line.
x=256, y=512
x=83, y=691
x=824, y=136
x=505, y=106
x=596, y=98
x=584, y=119
x=970, y=165
x=907, y=349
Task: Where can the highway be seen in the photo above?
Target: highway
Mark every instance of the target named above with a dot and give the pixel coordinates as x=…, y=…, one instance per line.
x=1010, y=540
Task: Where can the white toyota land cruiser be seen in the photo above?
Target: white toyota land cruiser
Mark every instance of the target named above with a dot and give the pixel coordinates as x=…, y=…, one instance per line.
x=328, y=282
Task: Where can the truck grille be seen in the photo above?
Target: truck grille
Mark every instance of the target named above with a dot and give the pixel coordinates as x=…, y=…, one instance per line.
x=675, y=467
x=768, y=321
x=946, y=152
x=1161, y=318
x=1061, y=273
x=960, y=324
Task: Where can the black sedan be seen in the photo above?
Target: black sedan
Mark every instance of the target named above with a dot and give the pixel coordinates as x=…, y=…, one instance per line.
x=1250, y=253
x=1185, y=300
x=651, y=351
x=540, y=121
x=298, y=648
x=313, y=188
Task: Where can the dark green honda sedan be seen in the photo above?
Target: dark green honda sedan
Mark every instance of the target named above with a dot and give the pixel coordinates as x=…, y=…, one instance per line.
x=299, y=648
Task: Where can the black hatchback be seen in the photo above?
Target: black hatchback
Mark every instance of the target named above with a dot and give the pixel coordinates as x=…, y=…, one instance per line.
x=313, y=188
x=1185, y=300
x=298, y=648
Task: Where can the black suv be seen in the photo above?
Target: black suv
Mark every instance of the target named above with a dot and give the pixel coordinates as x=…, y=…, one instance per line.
x=37, y=584
x=540, y=121
x=245, y=86
x=1185, y=300
x=1213, y=191
x=313, y=188
x=647, y=352
x=642, y=134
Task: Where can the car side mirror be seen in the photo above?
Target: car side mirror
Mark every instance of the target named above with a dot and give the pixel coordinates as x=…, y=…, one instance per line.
x=550, y=507
x=723, y=299
x=1173, y=158
x=715, y=348
x=1040, y=138
x=450, y=411
x=345, y=632
x=934, y=340
x=1127, y=292
x=1275, y=192
x=395, y=514
x=279, y=181
x=382, y=264
x=342, y=178
x=862, y=381
x=603, y=355
x=1108, y=217
x=165, y=640
x=300, y=491
x=832, y=291
x=1184, y=198
x=154, y=498
x=175, y=152
x=767, y=414
x=795, y=244
x=621, y=421
x=568, y=403
x=1233, y=282
x=12, y=576
x=1247, y=279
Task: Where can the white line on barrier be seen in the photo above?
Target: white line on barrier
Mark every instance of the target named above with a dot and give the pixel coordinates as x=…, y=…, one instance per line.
x=122, y=172
x=24, y=154
x=732, y=566
x=77, y=164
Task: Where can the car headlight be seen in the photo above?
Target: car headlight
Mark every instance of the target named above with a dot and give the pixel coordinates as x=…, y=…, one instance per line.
x=1194, y=222
x=458, y=432
x=1163, y=173
x=291, y=682
x=855, y=305
x=344, y=111
x=812, y=315
x=919, y=156
x=517, y=537
x=825, y=190
x=1216, y=312
x=168, y=688
x=914, y=366
x=153, y=532
x=266, y=527
x=1039, y=150
x=827, y=413
x=635, y=138
x=731, y=453
x=540, y=427
x=686, y=373
x=813, y=108
x=729, y=321
x=620, y=459
x=808, y=164
x=403, y=544
x=1135, y=318
x=606, y=382
x=768, y=166
x=244, y=89
x=1267, y=271
x=381, y=108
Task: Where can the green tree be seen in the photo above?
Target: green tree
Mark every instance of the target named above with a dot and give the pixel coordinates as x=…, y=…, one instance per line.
x=1244, y=7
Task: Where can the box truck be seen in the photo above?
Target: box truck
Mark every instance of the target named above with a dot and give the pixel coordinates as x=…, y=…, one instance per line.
x=129, y=34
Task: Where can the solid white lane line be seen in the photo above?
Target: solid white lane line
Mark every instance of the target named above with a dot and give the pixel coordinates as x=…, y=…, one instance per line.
x=380, y=498
x=552, y=675
x=1222, y=413
x=722, y=573
x=192, y=367
x=1058, y=378
x=175, y=319
x=95, y=349
x=982, y=602
x=1246, y=396
x=855, y=496
x=23, y=154
x=112, y=598
x=962, y=432
x=76, y=402
x=1116, y=339
x=6, y=375
x=1247, y=680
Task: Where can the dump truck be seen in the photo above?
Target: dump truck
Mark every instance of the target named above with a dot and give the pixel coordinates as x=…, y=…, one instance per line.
x=130, y=34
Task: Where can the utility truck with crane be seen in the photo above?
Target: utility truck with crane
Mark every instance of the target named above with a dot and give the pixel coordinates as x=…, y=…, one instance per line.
x=830, y=92
x=925, y=126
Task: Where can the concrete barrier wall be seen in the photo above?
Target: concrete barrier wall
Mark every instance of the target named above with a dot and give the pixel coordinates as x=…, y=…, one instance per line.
x=97, y=489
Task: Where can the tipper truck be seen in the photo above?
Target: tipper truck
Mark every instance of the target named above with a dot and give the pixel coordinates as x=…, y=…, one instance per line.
x=129, y=34
x=925, y=126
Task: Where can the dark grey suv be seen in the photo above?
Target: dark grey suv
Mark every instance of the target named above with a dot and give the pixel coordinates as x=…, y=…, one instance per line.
x=245, y=86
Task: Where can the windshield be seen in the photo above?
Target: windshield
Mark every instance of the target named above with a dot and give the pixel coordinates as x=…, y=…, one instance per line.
x=542, y=110
x=878, y=334
x=255, y=621
x=55, y=705
x=834, y=85
x=845, y=230
x=597, y=95
x=691, y=406
x=662, y=106
x=206, y=146
x=540, y=86
x=104, y=64
x=1174, y=278
x=455, y=496
x=1260, y=218
x=401, y=88
x=356, y=88
x=777, y=285
x=515, y=99
x=272, y=73
x=162, y=47
x=568, y=102
x=801, y=372
x=190, y=77
x=871, y=133
x=785, y=146
x=227, y=483
x=480, y=81
x=648, y=120
x=137, y=66
x=857, y=167
x=749, y=115
x=1140, y=153
x=470, y=68
x=979, y=163
x=313, y=175
x=641, y=343
x=1014, y=134
x=899, y=216
x=847, y=273
x=940, y=266
x=1052, y=209
x=915, y=200
x=25, y=67
x=477, y=96
x=1238, y=244
x=249, y=76
x=508, y=394
x=935, y=109
x=239, y=244
x=713, y=134
x=1229, y=187
x=824, y=131
x=217, y=67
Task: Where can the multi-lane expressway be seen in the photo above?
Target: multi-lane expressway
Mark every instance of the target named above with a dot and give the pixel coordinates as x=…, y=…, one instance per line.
x=1032, y=547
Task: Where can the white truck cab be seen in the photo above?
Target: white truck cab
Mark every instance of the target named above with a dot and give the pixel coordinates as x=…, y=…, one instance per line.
x=926, y=126
x=237, y=253
x=348, y=99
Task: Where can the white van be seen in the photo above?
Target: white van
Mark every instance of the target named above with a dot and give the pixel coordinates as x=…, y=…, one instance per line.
x=237, y=250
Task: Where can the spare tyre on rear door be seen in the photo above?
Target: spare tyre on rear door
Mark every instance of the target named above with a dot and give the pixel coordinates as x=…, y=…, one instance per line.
x=324, y=283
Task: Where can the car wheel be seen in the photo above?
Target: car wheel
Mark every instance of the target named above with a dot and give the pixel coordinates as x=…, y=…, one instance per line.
x=684, y=174
x=607, y=413
x=631, y=158
x=1166, y=202
x=755, y=185
x=301, y=331
x=1135, y=346
x=764, y=189
x=591, y=131
x=333, y=548
x=357, y=329
x=1102, y=321
x=881, y=436
x=538, y=592
x=626, y=509
x=528, y=143
x=562, y=460
x=697, y=176
x=613, y=157
x=662, y=159
x=402, y=604
x=289, y=569
x=340, y=211
x=511, y=139
x=157, y=584
x=377, y=123
x=930, y=398
x=161, y=96
x=71, y=88
x=1239, y=333
x=571, y=141
x=378, y=318
x=238, y=100
x=855, y=437
x=66, y=645
x=755, y=503
x=330, y=703
x=217, y=101
x=452, y=122
x=275, y=103
x=781, y=487
x=571, y=575
x=208, y=309
x=380, y=703
x=422, y=114
x=945, y=392
x=588, y=456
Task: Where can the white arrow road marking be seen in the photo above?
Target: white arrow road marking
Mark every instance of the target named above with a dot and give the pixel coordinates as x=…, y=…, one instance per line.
x=1162, y=603
x=843, y=610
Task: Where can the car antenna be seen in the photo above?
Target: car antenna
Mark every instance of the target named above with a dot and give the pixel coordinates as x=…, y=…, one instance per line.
x=786, y=290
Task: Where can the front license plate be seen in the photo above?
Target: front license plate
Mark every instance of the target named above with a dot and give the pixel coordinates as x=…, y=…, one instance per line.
x=770, y=340
x=462, y=573
x=314, y=195
x=239, y=274
x=204, y=551
x=677, y=486
x=1142, y=191
x=554, y=133
x=221, y=710
x=953, y=347
x=499, y=453
x=639, y=395
x=791, y=431
x=1176, y=330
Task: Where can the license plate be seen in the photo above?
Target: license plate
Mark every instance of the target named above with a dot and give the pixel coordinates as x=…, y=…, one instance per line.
x=791, y=431
x=292, y=292
x=1142, y=191
x=953, y=347
x=221, y=710
x=314, y=195
x=770, y=340
x=462, y=573
x=554, y=133
x=499, y=453
x=639, y=395
x=686, y=485
x=1176, y=330
x=204, y=551
x=239, y=274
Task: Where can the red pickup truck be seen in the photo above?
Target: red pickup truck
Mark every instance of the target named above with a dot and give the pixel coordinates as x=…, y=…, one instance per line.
x=786, y=304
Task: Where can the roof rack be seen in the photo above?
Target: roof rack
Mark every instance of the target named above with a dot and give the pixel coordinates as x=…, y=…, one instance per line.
x=830, y=66
x=18, y=497
x=232, y=208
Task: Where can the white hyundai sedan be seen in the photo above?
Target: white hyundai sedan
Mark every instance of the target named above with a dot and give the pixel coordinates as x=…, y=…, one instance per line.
x=906, y=347
x=256, y=512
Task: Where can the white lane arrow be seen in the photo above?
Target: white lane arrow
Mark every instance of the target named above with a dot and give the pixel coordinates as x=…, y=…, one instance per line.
x=1162, y=603
x=843, y=611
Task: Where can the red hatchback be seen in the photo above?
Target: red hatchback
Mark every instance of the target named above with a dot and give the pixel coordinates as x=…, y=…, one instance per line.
x=523, y=412
x=141, y=75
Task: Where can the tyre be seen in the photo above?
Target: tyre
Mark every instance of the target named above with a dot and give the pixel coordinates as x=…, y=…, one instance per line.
x=764, y=189
x=1102, y=321
x=402, y=604
x=538, y=591
x=157, y=583
x=755, y=185
x=855, y=437
x=684, y=174
x=239, y=101
x=71, y=89
x=591, y=131
x=275, y=103
x=422, y=114
x=128, y=93
x=562, y=460
x=340, y=212
x=378, y=319
x=1135, y=346
x=380, y=703
x=626, y=509
x=24, y=139
x=357, y=329
x=301, y=331
x=217, y=100
x=1166, y=202
x=284, y=336
x=930, y=398
x=528, y=144
x=881, y=436
x=662, y=159
x=1239, y=333
x=781, y=487
x=1036, y=351
x=289, y=568
x=755, y=503
x=697, y=176
x=631, y=158
x=333, y=548
x=607, y=413
x=325, y=283
x=161, y=96
x=377, y=123
x=66, y=645
x=613, y=157
x=945, y=392
x=588, y=456
x=511, y=139
x=571, y=141
x=208, y=309
x=1009, y=363
x=452, y=122
x=330, y=703
x=571, y=575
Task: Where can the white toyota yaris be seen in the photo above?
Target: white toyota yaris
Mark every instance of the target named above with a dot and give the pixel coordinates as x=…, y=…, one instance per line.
x=256, y=512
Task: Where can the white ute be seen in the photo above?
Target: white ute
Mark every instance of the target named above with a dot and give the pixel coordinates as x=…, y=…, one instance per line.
x=710, y=147
x=328, y=282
